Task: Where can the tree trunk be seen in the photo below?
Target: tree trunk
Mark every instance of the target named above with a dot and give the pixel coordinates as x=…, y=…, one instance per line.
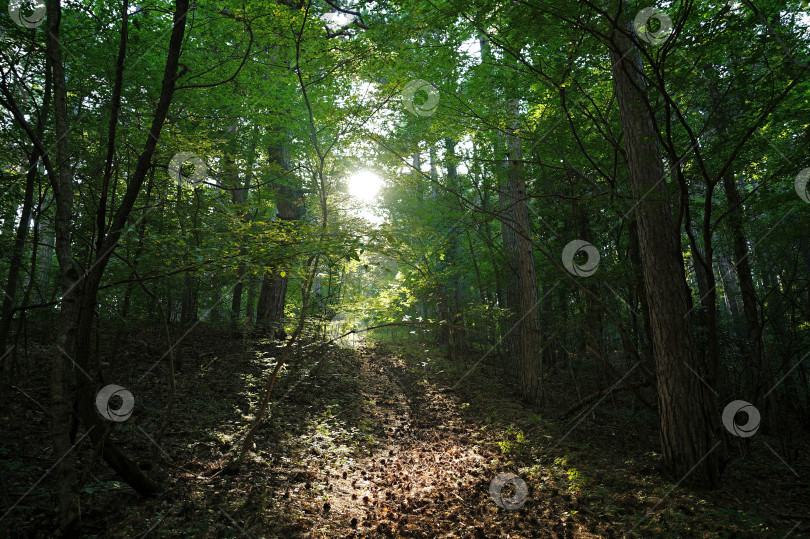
x=289, y=207
x=641, y=291
x=451, y=292
x=238, y=198
x=270, y=309
x=689, y=422
x=44, y=283
x=593, y=307
x=522, y=287
x=15, y=264
x=701, y=313
x=250, y=308
x=753, y=346
x=60, y=408
x=79, y=294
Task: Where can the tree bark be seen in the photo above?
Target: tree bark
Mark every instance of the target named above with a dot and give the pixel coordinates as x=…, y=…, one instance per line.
x=289, y=207
x=451, y=293
x=238, y=198
x=641, y=290
x=689, y=426
x=701, y=313
x=60, y=408
x=250, y=308
x=522, y=287
x=270, y=310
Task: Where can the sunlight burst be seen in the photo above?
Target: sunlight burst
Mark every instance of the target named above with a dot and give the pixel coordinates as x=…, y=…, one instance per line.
x=364, y=185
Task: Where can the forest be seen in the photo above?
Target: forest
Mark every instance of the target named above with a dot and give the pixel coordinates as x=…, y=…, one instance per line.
x=405, y=268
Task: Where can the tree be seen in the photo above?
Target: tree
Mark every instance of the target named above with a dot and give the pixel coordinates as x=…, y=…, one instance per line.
x=79, y=292
x=522, y=286
x=687, y=411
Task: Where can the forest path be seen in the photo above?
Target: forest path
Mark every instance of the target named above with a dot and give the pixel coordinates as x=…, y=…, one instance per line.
x=373, y=443
x=429, y=472
x=357, y=443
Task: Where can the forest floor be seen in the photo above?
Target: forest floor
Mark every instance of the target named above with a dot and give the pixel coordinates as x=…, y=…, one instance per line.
x=378, y=442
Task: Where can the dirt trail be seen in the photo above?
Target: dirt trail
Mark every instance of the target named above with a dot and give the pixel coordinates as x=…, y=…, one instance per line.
x=359, y=443
x=429, y=477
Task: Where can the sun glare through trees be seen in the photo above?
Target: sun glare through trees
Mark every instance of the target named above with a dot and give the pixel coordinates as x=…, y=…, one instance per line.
x=365, y=185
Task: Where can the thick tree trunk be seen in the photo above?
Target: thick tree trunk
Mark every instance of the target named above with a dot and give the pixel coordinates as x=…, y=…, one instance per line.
x=44, y=283
x=7, y=230
x=270, y=309
x=289, y=207
x=451, y=293
x=641, y=290
x=710, y=301
x=522, y=283
x=689, y=423
x=700, y=314
x=509, y=278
